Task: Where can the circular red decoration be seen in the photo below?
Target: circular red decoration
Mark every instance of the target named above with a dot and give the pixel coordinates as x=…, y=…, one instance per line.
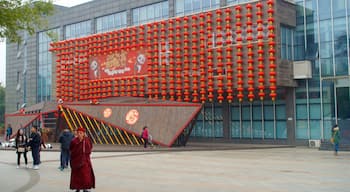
x=132, y=116
x=107, y=112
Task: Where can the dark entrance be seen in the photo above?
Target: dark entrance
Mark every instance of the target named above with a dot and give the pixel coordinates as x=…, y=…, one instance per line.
x=343, y=112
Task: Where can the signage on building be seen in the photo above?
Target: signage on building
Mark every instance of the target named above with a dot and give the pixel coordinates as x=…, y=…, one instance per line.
x=118, y=64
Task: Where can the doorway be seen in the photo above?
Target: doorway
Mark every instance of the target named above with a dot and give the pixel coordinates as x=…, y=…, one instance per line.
x=343, y=112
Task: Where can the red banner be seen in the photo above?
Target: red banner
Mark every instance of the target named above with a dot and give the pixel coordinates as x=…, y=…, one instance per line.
x=118, y=64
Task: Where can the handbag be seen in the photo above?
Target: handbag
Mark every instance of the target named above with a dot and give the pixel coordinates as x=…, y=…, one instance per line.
x=21, y=149
x=332, y=140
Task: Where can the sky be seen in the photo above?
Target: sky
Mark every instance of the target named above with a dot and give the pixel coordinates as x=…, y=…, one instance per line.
x=67, y=3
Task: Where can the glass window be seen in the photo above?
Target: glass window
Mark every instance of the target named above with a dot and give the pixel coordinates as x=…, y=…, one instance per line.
x=257, y=113
x=339, y=28
x=325, y=32
x=246, y=113
x=150, y=13
x=301, y=111
x=257, y=129
x=111, y=22
x=233, y=2
x=315, y=111
x=315, y=129
x=186, y=7
x=327, y=67
x=324, y=10
x=286, y=42
x=268, y=113
x=301, y=129
x=44, y=77
x=341, y=65
x=269, y=130
x=235, y=129
x=246, y=129
x=339, y=8
x=281, y=130
x=78, y=29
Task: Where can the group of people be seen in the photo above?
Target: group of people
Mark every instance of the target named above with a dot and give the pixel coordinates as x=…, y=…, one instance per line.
x=23, y=144
x=74, y=149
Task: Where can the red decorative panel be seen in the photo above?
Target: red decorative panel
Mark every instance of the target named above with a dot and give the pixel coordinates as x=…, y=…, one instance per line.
x=211, y=56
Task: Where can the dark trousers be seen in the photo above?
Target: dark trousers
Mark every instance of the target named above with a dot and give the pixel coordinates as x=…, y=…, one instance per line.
x=36, y=155
x=19, y=158
x=336, y=147
x=145, y=142
x=64, y=157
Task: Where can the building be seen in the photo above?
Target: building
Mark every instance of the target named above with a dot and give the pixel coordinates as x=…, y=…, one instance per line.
x=273, y=71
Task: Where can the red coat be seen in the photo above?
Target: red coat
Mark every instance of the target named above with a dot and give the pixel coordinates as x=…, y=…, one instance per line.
x=82, y=175
x=145, y=133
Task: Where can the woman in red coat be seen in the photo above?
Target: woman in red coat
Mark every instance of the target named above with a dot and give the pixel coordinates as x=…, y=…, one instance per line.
x=82, y=175
x=145, y=136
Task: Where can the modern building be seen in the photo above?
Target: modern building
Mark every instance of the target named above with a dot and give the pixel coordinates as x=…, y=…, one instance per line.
x=267, y=71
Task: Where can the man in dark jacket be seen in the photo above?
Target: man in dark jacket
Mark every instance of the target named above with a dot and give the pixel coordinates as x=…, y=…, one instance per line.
x=34, y=143
x=65, y=139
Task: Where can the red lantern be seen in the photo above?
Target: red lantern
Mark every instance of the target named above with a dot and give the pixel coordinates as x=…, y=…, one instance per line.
x=272, y=44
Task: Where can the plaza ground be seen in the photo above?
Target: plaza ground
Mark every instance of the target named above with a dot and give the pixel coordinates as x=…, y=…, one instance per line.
x=275, y=169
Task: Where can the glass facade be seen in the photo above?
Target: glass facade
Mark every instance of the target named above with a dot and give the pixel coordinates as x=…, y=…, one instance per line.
x=111, y=22
x=186, y=7
x=233, y=2
x=78, y=29
x=322, y=37
x=150, y=13
x=44, y=78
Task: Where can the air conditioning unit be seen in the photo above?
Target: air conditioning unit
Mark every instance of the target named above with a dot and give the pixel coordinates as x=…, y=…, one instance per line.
x=314, y=143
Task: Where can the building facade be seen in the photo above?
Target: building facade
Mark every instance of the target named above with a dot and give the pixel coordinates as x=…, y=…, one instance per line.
x=279, y=108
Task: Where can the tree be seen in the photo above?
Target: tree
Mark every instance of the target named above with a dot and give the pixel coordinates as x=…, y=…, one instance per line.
x=19, y=15
x=2, y=105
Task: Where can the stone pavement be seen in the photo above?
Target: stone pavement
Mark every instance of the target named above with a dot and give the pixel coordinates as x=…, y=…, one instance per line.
x=248, y=170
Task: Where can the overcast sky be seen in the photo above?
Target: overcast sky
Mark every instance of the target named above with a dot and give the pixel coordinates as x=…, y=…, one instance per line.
x=67, y=3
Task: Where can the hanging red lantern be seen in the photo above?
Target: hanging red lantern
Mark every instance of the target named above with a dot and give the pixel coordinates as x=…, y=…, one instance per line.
x=239, y=54
x=260, y=51
x=272, y=59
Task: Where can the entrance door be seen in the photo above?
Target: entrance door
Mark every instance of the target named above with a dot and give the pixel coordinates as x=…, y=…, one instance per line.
x=343, y=113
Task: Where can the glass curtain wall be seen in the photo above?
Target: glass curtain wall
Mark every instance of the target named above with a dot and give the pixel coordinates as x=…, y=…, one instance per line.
x=78, y=29
x=322, y=37
x=44, y=81
x=209, y=122
x=186, y=7
x=111, y=22
x=150, y=13
x=233, y=2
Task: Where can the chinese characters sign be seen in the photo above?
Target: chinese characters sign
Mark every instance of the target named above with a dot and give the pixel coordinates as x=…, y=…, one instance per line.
x=118, y=64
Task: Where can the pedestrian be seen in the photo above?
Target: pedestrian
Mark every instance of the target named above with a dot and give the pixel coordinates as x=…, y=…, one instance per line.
x=8, y=132
x=82, y=174
x=34, y=143
x=65, y=139
x=145, y=136
x=335, y=138
x=21, y=147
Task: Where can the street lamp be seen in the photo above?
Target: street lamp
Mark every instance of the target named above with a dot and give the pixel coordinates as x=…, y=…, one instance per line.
x=19, y=54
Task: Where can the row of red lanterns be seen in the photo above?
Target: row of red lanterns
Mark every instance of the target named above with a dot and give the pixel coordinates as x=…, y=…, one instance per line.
x=181, y=83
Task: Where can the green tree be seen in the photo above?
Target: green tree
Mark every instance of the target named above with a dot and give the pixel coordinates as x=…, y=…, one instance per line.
x=2, y=105
x=19, y=15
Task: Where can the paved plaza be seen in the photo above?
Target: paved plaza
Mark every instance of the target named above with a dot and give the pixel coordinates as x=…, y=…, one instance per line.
x=278, y=169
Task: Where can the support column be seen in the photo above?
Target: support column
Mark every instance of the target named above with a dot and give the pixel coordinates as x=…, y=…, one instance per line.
x=290, y=115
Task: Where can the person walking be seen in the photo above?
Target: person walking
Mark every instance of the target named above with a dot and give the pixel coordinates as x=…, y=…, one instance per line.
x=8, y=132
x=65, y=139
x=82, y=174
x=145, y=135
x=21, y=147
x=34, y=143
x=335, y=139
